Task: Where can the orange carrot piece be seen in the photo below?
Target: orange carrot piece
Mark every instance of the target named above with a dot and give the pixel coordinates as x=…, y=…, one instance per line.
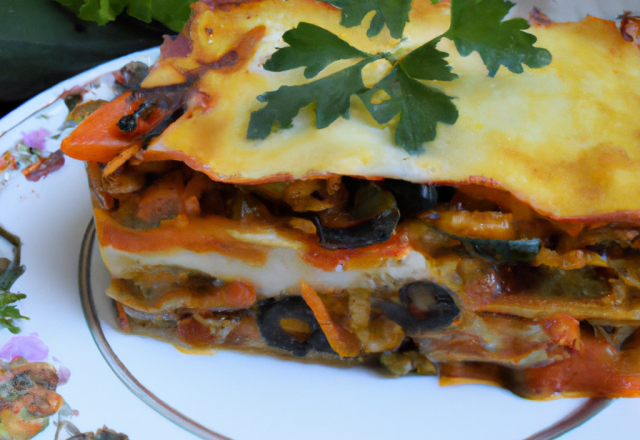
x=237, y=294
x=343, y=342
x=44, y=166
x=31, y=168
x=98, y=137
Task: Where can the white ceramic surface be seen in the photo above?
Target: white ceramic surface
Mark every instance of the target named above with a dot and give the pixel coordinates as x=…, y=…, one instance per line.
x=240, y=396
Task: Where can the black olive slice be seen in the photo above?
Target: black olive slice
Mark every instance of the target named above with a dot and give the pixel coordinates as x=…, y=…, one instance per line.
x=374, y=231
x=415, y=198
x=412, y=198
x=425, y=307
x=129, y=123
x=379, y=212
x=445, y=193
x=293, y=307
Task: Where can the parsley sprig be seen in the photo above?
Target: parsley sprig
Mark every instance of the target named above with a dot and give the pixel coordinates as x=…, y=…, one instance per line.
x=420, y=107
x=392, y=13
x=315, y=48
x=9, y=273
x=476, y=25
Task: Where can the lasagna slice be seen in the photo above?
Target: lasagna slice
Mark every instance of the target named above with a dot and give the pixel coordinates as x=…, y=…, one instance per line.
x=507, y=252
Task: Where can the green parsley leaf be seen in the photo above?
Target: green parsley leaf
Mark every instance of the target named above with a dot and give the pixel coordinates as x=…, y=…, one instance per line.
x=8, y=312
x=393, y=13
x=331, y=94
x=476, y=25
x=313, y=47
x=8, y=274
x=420, y=107
x=428, y=63
x=172, y=13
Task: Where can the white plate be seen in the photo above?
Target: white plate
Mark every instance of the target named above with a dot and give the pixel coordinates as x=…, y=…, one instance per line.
x=237, y=395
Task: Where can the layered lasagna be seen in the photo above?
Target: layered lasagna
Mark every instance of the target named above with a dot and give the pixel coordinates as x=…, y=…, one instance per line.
x=507, y=251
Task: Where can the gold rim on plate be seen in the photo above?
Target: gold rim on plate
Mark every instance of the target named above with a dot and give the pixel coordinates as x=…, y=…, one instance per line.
x=580, y=415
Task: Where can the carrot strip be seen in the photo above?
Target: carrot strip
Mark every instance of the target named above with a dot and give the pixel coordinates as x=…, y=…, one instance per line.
x=123, y=320
x=44, y=166
x=121, y=158
x=31, y=168
x=343, y=342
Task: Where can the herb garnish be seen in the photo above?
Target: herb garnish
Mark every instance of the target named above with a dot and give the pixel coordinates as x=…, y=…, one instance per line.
x=476, y=25
x=393, y=13
x=315, y=48
x=479, y=27
x=420, y=107
x=9, y=273
x=332, y=96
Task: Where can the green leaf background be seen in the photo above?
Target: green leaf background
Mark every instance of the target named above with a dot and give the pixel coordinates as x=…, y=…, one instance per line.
x=43, y=43
x=171, y=13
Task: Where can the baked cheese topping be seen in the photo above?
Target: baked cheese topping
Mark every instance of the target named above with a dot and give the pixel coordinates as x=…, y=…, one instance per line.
x=506, y=252
x=562, y=138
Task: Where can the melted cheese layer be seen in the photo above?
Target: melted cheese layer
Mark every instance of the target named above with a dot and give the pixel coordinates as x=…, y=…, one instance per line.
x=564, y=138
x=281, y=272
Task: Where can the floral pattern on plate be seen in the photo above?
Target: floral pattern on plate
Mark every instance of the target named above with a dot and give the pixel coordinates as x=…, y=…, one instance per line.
x=28, y=386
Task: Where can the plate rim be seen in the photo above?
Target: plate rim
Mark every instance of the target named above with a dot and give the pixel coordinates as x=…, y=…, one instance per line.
x=582, y=414
x=114, y=362
x=29, y=108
